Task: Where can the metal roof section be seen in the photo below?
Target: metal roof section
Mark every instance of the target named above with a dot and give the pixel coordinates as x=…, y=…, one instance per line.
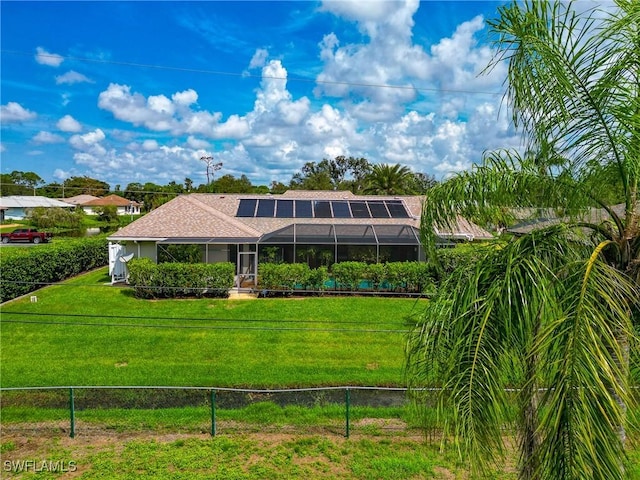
x=26, y=201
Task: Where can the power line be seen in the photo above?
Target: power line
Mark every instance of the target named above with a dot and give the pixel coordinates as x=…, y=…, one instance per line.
x=250, y=75
x=195, y=319
x=207, y=327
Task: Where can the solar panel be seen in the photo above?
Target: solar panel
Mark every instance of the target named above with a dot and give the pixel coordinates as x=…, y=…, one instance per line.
x=247, y=207
x=284, y=209
x=323, y=209
x=303, y=209
x=378, y=210
x=341, y=210
x=397, y=209
x=266, y=207
x=360, y=210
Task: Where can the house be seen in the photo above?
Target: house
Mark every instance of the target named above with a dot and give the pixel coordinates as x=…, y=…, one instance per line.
x=16, y=207
x=544, y=218
x=89, y=202
x=316, y=227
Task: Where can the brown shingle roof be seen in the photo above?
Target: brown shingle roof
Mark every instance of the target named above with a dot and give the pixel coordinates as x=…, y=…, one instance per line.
x=116, y=200
x=213, y=216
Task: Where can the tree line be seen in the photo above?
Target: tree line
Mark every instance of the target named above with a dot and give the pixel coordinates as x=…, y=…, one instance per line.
x=357, y=175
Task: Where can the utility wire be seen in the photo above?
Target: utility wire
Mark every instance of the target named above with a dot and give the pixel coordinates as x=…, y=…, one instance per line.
x=194, y=319
x=250, y=75
x=207, y=327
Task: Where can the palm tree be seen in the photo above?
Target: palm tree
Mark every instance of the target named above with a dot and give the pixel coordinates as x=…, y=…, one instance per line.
x=387, y=179
x=550, y=312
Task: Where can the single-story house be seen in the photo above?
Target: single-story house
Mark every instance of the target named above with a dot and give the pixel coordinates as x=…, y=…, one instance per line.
x=16, y=207
x=89, y=202
x=315, y=227
x=536, y=220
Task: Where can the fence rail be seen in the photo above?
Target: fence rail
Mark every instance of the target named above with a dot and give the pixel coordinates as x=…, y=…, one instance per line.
x=78, y=399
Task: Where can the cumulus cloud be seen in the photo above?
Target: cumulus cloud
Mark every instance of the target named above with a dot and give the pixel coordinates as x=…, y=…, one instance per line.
x=89, y=142
x=68, y=124
x=259, y=59
x=72, y=77
x=374, y=99
x=47, y=137
x=13, y=112
x=150, y=145
x=45, y=58
x=196, y=143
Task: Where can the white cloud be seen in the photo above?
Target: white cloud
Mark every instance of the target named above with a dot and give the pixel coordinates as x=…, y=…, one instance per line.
x=150, y=145
x=68, y=124
x=72, y=77
x=47, y=137
x=196, y=143
x=259, y=59
x=45, y=58
x=186, y=98
x=13, y=112
x=89, y=142
x=2, y=147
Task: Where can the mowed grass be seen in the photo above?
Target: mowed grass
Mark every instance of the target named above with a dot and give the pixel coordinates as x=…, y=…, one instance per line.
x=86, y=332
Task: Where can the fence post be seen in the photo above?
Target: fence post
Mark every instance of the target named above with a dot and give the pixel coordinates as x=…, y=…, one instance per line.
x=72, y=432
x=213, y=413
x=347, y=401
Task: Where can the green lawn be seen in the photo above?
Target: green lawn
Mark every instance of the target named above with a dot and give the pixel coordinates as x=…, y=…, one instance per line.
x=86, y=332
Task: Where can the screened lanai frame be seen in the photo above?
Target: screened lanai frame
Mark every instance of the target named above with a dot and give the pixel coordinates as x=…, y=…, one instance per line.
x=332, y=236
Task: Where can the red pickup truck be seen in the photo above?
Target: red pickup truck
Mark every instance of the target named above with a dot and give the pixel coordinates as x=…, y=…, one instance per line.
x=26, y=235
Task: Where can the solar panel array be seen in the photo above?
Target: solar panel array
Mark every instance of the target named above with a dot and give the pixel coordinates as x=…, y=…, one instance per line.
x=279, y=208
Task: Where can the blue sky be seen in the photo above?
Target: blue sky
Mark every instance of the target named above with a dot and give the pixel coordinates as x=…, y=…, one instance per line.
x=140, y=91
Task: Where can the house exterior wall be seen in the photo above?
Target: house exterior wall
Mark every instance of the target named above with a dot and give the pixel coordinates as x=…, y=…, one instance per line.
x=126, y=210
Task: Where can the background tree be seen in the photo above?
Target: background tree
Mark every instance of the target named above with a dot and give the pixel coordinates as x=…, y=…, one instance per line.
x=20, y=183
x=85, y=186
x=552, y=311
x=387, y=179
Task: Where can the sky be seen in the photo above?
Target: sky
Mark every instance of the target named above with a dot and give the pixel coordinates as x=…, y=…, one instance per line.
x=141, y=91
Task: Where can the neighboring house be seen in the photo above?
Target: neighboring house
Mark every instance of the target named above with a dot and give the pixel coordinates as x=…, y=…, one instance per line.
x=89, y=202
x=16, y=207
x=546, y=218
x=315, y=227
x=78, y=200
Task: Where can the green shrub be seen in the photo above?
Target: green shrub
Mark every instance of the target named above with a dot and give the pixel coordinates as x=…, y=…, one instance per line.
x=463, y=255
x=26, y=270
x=348, y=274
x=55, y=217
x=173, y=280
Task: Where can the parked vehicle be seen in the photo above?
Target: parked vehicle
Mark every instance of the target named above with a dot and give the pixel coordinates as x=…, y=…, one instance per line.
x=30, y=235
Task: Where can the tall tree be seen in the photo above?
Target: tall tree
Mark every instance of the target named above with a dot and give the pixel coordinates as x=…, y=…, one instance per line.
x=552, y=311
x=387, y=179
x=20, y=183
x=85, y=186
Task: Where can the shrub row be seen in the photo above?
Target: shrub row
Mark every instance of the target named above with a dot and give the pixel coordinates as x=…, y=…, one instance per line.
x=27, y=269
x=412, y=277
x=170, y=280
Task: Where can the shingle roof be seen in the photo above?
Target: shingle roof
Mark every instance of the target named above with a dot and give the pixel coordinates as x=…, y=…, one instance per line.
x=213, y=217
x=116, y=200
x=80, y=199
x=594, y=216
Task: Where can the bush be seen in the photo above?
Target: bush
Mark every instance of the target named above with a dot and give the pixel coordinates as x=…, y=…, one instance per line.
x=464, y=255
x=55, y=217
x=26, y=270
x=349, y=274
x=173, y=280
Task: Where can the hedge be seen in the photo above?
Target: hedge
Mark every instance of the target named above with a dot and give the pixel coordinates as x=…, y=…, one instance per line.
x=408, y=277
x=173, y=280
x=27, y=269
